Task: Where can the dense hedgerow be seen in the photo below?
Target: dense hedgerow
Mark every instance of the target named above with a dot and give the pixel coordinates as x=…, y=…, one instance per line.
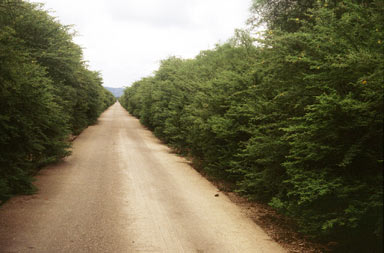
x=46, y=93
x=294, y=120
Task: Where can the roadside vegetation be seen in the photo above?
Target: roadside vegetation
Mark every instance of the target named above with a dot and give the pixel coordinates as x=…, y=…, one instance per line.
x=46, y=93
x=293, y=119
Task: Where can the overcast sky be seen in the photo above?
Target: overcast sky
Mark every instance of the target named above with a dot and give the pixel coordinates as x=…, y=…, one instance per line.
x=126, y=39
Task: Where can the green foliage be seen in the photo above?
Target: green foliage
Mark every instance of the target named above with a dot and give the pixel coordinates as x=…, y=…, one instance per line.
x=295, y=121
x=280, y=14
x=333, y=184
x=46, y=93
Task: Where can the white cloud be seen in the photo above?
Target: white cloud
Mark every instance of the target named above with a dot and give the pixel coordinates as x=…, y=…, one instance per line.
x=170, y=13
x=126, y=39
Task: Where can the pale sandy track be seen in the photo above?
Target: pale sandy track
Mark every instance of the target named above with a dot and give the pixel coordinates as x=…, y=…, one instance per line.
x=123, y=191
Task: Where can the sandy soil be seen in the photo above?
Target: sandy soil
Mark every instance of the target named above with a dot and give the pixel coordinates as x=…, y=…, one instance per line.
x=124, y=191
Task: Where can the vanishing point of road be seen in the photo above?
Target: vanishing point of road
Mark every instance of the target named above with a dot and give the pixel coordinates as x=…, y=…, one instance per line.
x=121, y=190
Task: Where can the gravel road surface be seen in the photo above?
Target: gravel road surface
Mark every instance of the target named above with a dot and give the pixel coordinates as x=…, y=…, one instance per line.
x=123, y=191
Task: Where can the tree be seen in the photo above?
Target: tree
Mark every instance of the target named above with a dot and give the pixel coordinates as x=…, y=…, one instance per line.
x=46, y=93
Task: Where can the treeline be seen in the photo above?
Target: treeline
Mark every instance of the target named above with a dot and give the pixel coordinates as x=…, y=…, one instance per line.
x=46, y=93
x=294, y=119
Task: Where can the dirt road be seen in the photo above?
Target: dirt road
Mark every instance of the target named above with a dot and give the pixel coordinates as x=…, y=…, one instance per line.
x=123, y=191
